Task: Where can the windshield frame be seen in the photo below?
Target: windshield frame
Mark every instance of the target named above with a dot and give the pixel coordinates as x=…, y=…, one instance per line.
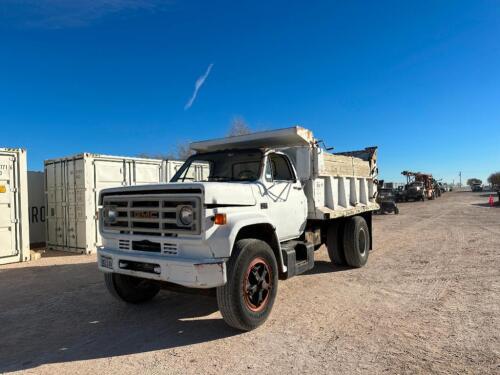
x=198, y=157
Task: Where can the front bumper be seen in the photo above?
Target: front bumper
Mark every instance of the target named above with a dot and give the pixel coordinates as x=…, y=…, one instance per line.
x=193, y=273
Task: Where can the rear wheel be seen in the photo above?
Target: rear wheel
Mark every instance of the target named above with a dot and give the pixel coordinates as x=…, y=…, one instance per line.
x=356, y=241
x=334, y=243
x=131, y=289
x=396, y=210
x=247, y=299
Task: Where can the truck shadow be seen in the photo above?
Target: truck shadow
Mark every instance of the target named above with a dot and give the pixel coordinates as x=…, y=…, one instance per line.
x=321, y=267
x=64, y=313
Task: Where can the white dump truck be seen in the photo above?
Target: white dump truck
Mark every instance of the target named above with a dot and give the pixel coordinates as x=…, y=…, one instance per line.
x=265, y=202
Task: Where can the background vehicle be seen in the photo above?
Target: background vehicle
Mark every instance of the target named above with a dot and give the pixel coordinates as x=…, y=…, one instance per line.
x=415, y=191
x=267, y=201
x=443, y=187
x=400, y=194
x=386, y=199
x=436, y=188
x=417, y=183
x=476, y=187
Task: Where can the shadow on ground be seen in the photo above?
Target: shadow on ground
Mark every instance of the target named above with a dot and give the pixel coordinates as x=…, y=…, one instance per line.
x=321, y=266
x=63, y=313
x=495, y=205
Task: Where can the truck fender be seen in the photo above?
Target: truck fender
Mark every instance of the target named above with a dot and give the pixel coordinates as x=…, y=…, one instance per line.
x=223, y=239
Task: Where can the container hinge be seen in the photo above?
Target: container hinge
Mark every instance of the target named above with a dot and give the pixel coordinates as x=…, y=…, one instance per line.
x=14, y=190
x=14, y=221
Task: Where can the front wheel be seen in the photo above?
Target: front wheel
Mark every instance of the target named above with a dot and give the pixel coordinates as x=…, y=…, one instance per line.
x=131, y=289
x=247, y=299
x=396, y=210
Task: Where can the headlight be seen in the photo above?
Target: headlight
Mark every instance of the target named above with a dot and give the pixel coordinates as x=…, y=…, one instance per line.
x=110, y=215
x=186, y=215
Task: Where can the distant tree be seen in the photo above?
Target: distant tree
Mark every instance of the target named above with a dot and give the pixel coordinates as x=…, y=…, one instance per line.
x=238, y=127
x=473, y=181
x=494, y=179
x=181, y=152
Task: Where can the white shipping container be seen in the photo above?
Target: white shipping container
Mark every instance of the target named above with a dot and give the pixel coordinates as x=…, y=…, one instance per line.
x=172, y=166
x=37, y=208
x=14, y=228
x=197, y=172
x=73, y=185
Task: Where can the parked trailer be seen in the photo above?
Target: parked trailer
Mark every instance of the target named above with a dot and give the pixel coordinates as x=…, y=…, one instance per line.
x=14, y=229
x=37, y=208
x=73, y=185
x=267, y=201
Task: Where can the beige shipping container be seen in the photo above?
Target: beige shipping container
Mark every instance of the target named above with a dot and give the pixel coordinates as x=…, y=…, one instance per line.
x=14, y=218
x=73, y=185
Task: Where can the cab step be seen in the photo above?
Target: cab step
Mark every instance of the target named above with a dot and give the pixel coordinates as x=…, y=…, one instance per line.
x=298, y=257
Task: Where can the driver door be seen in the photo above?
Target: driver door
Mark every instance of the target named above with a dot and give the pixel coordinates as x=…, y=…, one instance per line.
x=283, y=199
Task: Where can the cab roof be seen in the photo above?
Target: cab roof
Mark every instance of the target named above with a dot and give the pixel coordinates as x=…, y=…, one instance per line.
x=287, y=137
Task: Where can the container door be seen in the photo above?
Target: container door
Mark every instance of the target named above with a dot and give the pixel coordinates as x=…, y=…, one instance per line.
x=143, y=173
x=9, y=200
x=56, y=205
x=75, y=187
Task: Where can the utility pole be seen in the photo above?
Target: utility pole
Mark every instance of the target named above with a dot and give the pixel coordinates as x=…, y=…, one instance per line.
x=460, y=175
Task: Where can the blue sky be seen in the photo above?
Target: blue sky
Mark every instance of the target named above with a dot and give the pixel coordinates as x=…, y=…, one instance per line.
x=420, y=79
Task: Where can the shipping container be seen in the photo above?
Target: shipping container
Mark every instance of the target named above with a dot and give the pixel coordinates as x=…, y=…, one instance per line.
x=172, y=166
x=73, y=185
x=197, y=172
x=37, y=208
x=14, y=217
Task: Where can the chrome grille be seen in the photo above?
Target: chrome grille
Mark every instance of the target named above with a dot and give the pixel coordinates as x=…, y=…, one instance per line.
x=152, y=216
x=124, y=244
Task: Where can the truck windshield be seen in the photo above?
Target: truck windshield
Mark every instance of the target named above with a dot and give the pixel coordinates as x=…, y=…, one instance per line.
x=221, y=166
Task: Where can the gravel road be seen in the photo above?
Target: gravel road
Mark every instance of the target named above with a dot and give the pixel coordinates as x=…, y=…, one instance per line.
x=427, y=302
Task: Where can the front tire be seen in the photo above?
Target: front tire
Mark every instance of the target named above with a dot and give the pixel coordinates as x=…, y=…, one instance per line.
x=356, y=241
x=246, y=300
x=131, y=289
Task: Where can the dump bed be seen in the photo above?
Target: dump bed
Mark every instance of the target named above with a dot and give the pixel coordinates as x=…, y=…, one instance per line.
x=345, y=184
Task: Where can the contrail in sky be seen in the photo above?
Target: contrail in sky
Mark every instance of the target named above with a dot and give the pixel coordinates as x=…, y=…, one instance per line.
x=197, y=86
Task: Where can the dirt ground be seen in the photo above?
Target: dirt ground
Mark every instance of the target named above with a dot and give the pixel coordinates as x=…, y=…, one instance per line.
x=427, y=302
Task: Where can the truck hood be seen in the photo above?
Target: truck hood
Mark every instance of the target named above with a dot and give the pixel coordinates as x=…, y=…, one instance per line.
x=214, y=193
x=226, y=193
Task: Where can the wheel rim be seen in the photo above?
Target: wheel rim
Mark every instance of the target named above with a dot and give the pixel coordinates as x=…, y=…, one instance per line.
x=362, y=241
x=257, y=284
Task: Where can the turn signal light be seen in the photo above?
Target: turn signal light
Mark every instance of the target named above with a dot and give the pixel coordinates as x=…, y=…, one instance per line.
x=220, y=219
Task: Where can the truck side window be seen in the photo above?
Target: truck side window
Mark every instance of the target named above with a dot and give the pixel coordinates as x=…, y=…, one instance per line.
x=281, y=168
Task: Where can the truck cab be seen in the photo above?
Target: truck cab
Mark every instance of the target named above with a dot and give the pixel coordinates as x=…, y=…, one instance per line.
x=241, y=213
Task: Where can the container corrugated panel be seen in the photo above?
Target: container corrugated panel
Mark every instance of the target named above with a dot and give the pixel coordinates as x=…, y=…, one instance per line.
x=14, y=219
x=171, y=167
x=73, y=185
x=37, y=208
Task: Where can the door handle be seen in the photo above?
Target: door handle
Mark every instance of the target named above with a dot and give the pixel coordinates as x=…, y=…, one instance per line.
x=297, y=187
